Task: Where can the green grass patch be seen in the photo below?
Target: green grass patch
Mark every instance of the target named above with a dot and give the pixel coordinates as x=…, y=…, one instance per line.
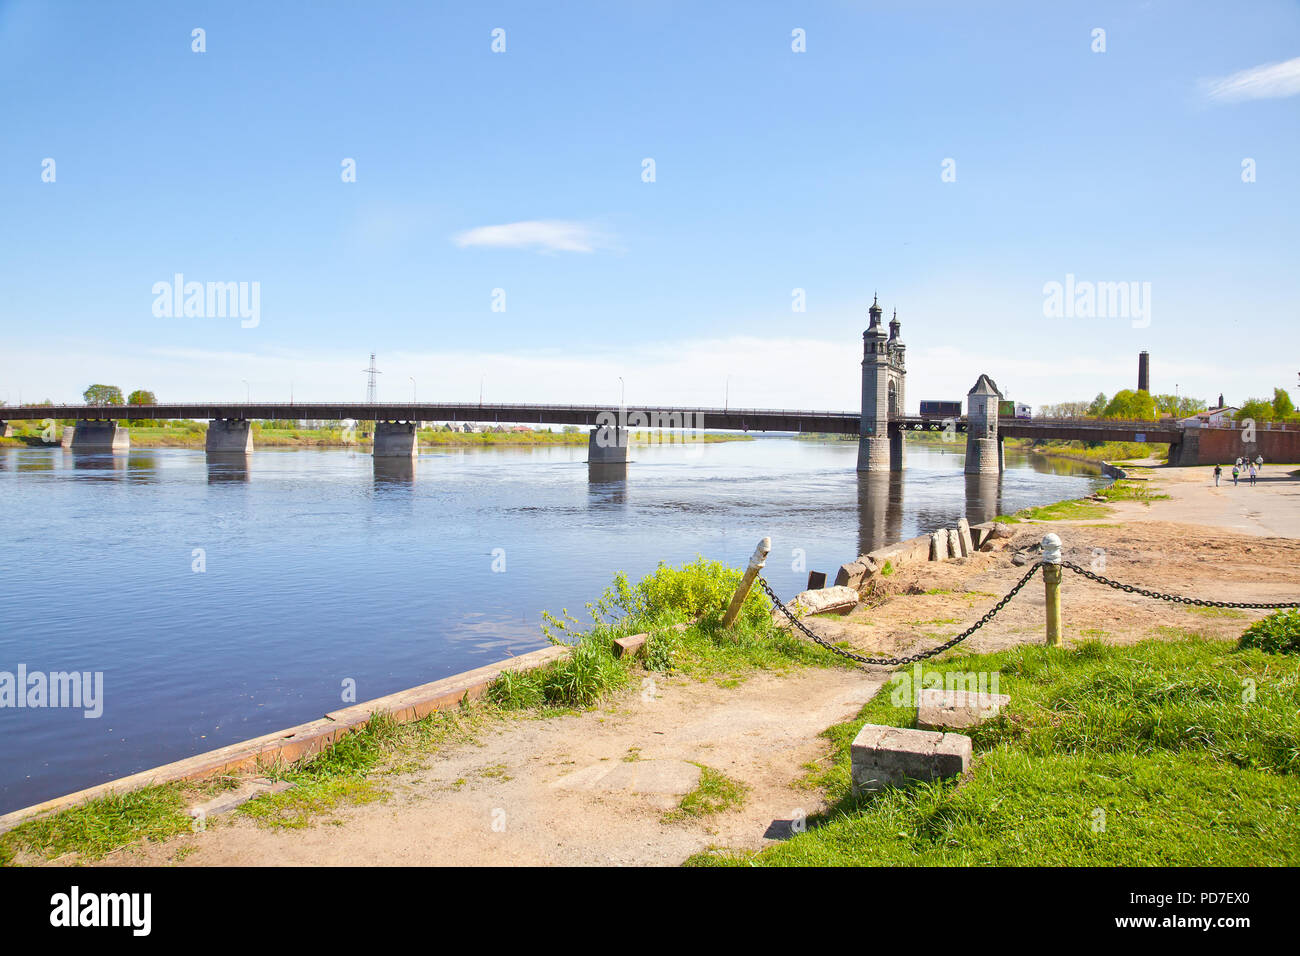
x=1123, y=490
x=101, y=826
x=1172, y=753
x=714, y=793
x=1076, y=510
x=1279, y=633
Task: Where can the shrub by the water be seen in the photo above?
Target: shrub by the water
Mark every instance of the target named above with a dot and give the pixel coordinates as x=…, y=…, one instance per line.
x=1279, y=633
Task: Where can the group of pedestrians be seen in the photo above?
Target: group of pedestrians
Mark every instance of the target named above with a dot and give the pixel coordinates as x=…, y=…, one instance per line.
x=1250, y=466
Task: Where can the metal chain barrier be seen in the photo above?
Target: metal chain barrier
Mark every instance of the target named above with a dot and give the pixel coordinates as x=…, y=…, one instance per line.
x=1174, y=598
x=913, y=658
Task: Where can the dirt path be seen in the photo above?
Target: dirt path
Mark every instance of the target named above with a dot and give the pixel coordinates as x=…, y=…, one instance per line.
x=593, y=788
x=588, y=789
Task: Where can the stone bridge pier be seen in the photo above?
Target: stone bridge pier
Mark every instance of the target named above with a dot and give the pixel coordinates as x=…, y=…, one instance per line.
x=97, y=436
x=229, y=436
x=607, y=453
x=396, y=439
x=983, y=443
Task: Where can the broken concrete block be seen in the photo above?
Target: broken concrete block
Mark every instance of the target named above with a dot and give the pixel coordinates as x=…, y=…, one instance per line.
x=964, y=539
x=632, y=645
x=939, y=545
x=954, y=546
x=855, y=573
x=837, y=600
x=956, y=709
x=230, y=799
x=980, y=533
x=889, y=756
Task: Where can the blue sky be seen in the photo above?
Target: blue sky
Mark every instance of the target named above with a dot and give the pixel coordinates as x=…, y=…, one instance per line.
x=774, y=171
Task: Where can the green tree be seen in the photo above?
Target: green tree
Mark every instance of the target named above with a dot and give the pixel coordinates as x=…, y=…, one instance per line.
x=1178, y=405
x=1283, y=407
x=141, y=397
x=1256, y=409
x=1130, y=404
x=1098, y=406
x=103, y=395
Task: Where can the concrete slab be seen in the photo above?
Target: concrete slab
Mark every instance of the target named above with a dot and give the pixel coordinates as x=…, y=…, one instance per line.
x=670, y=777
x=890, y=756
x=834, y=600
x=225, y=802
x=956, y=709
x=964, y=541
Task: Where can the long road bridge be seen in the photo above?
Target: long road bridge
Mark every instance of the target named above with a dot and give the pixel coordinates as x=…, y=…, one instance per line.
x=97, y=428
x=880, y=424
x=631, y=417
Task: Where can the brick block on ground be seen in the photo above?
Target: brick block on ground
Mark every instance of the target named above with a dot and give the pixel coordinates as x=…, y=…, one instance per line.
x=632, y=645
x=957, y=709
x=889, y=756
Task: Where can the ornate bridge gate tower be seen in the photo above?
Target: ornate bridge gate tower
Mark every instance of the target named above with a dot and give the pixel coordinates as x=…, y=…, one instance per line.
x=884, y=372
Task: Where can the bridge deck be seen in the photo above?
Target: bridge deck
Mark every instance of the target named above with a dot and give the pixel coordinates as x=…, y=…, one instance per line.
x=730, y=419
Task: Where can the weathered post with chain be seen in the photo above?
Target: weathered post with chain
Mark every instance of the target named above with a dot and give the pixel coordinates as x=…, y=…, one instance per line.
x=1052, y=587
x=756, y=562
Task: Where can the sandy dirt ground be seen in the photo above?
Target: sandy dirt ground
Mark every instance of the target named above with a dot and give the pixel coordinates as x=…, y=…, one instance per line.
x=593, y=788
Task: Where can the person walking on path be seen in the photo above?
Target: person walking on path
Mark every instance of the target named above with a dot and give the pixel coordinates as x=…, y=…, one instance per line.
x=1235, y=472
x=1218, y=470
x=1250, y=470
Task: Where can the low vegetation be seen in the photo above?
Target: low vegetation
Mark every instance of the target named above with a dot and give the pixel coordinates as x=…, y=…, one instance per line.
x=1173, y=752
x=714, y=793
x=1279, y=633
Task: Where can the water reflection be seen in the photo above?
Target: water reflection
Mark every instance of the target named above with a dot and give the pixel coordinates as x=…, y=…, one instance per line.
x=607, y=484
x=142, y=467
x=395, y=471
x=880, y=510
x=227, y=466
x=105, y=462
x=983, y=497
x=604, y=472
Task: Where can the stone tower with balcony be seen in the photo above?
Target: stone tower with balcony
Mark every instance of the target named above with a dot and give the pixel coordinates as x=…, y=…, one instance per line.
x=884, y=371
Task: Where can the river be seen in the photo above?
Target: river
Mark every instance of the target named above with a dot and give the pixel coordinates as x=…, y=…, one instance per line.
x=223, y=600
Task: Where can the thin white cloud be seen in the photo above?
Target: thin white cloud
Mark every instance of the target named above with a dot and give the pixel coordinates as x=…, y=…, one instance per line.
x=1269, y=81
x=543, y=235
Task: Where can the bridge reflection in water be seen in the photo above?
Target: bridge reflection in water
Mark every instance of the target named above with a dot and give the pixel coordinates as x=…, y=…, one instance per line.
x=881, y=506
x=226, y=468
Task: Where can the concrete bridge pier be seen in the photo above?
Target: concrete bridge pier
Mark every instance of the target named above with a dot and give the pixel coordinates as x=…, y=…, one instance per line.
x=6, y=430
x=396, y=440
x=97, y=436
x=230, y=436
x=983, y=443
x=607, y=453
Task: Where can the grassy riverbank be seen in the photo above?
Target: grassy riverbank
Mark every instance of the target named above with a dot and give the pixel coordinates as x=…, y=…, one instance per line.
x=1092, y=452
x=681, y=610
x=1145, y=755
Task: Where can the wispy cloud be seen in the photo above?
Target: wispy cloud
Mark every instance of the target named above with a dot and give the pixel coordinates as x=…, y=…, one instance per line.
x=1269, y=81
x=543, y=235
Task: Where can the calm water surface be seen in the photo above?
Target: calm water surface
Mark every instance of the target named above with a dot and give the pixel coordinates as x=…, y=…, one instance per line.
x=322, y=568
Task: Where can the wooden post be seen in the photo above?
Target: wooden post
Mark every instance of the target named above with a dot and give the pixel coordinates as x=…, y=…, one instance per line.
x=756, y=562
x=1052, y=587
